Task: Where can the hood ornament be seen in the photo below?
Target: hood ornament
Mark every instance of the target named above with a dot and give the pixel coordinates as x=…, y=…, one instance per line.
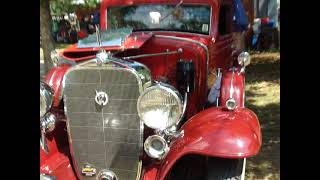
x=102, y=57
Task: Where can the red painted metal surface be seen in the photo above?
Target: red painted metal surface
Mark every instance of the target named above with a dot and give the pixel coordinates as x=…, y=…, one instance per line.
x=213, y=132
x=59, y=166
x=80, y=54
x=165, y=66
x=238, y=87
x=150, y=173
x=56, y=161
x=54, y=79
x=218, y=133
x=221, y=52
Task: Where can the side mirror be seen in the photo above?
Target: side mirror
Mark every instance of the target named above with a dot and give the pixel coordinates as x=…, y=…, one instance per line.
x=244, y=59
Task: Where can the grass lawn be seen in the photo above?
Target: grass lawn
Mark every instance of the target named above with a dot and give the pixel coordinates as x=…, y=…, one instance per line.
x=263, y=97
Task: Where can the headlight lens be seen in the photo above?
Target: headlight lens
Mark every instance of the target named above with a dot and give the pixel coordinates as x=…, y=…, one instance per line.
x=46, y=98
x=160, y=107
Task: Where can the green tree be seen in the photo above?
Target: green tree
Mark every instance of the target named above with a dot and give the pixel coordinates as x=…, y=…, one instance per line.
x=59, y=8
x=47, y=42
x=91, y=3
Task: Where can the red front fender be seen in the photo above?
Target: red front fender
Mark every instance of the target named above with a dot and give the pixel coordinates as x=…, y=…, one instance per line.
x=238, y=86
x=219, y=133
x=54, y=79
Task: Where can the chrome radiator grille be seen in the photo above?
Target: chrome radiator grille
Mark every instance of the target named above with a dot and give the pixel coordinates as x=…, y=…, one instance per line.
x=110, y=136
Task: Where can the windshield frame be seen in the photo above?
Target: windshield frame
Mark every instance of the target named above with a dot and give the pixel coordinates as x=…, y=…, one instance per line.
x=176, y=31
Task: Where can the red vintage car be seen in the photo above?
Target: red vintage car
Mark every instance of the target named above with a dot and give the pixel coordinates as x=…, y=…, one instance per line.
x=157, y=93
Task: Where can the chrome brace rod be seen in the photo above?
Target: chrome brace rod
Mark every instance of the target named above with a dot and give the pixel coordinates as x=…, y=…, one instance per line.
x=154, y=54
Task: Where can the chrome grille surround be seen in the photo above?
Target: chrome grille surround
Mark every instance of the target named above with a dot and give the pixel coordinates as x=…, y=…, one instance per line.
x=121, y=73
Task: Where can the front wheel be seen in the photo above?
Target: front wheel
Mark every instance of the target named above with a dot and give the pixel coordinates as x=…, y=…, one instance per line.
x=225, y=169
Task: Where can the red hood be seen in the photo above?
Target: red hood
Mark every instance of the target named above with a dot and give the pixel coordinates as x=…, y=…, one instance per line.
x=135, y=41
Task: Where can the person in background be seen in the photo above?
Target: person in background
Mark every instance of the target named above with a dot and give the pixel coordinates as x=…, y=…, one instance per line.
x=91, y=17
x=90, y=25
x=249, y=9
x=240, y=25
x=256, y=28
x=55, y=28
x=73, y=20
x=96, y=18
x=83, y=29
x=83, y=25
x=73, y=35
x=64, y=29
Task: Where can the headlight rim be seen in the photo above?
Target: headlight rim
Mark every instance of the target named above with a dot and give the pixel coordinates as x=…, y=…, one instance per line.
x=47, y=93
x=169, y=89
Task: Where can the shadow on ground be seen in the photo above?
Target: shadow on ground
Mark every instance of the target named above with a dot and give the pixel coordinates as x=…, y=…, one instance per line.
x=262, y=96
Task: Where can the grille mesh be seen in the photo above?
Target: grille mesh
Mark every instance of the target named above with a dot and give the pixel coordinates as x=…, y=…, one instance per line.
x=107, y=137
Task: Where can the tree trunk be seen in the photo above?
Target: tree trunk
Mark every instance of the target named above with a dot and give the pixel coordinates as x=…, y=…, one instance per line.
x=47, y=42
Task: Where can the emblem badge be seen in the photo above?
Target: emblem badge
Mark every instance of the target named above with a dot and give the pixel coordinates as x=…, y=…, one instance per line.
x=88, y=170
x=101, y=98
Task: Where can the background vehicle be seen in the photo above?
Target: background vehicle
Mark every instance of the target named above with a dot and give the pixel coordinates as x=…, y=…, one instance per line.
x=162, y=99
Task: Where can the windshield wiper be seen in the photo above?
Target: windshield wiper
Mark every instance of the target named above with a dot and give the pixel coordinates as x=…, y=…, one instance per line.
x=173, y=11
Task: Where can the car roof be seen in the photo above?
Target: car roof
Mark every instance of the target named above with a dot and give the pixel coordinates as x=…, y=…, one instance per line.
x=109, y=3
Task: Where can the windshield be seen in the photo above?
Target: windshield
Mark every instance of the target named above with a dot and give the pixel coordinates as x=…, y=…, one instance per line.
x=185, y=18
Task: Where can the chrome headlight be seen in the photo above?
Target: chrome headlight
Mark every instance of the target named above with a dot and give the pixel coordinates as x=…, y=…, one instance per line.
x=46, y=98
x=160, y=106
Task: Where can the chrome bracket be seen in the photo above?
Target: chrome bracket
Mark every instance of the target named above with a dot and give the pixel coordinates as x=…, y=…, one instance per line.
x=231, y=103
x=231, y=83
x=43, y=142
x=178, y=51
x=170, y=134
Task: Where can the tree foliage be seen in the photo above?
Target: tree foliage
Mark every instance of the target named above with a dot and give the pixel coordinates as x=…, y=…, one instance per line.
x=47, y=42
x=60, y=7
